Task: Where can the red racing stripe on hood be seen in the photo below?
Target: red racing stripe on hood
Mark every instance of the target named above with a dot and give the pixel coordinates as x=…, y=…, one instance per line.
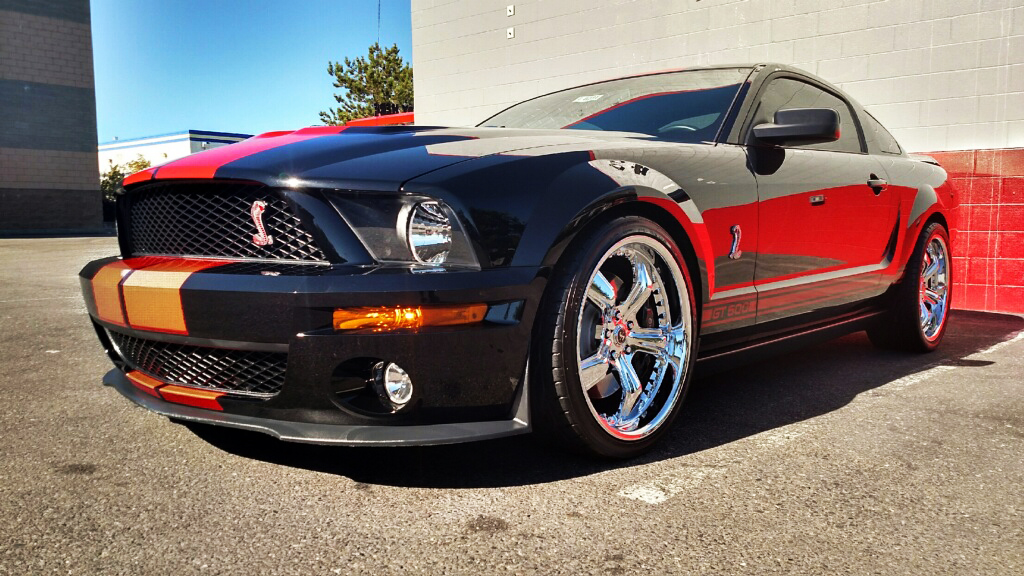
x=205, y=164
x=142, y=176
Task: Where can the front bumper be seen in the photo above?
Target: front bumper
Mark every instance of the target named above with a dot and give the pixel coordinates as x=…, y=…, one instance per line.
x=470, y=381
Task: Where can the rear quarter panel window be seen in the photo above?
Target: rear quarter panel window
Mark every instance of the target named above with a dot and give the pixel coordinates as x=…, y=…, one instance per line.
x=885, y=141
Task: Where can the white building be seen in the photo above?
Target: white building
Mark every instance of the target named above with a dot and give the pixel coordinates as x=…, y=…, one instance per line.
x=163, y=148
x=941, y=74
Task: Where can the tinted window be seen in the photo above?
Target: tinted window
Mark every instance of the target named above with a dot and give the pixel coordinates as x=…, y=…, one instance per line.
x=886, y=143
x=682, y=106
x=785, y=93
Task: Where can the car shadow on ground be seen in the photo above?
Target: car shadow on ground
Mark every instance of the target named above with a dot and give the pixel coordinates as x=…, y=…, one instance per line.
x=721, y=408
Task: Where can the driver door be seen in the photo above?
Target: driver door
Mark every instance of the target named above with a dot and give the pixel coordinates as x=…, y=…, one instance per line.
x=823, y=230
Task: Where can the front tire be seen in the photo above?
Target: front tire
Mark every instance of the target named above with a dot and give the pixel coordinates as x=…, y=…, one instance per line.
x=616, y=340
x=917, y=318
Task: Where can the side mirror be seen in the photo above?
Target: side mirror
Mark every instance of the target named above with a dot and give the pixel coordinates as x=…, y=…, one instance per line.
x=798, y=126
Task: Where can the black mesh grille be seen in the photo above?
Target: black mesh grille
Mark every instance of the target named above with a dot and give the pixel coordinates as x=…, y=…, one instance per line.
x=244, y=372
x=213, y=219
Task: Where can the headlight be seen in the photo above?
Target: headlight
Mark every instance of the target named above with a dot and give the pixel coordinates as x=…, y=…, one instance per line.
x=429, y=232
x=407, y=229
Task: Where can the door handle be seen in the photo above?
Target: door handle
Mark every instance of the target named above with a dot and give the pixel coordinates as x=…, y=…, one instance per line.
x=817, y=200
x=877, y=184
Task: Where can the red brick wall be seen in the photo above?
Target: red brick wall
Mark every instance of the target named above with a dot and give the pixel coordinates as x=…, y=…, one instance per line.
x=988, y=251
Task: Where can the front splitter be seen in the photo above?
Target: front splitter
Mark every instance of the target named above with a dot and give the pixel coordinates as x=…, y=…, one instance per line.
x=335, y=434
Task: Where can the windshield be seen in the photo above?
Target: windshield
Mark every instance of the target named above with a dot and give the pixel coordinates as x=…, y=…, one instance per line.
x=686, y=106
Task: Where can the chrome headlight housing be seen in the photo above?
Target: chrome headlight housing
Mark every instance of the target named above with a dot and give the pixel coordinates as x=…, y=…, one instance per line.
x=407, y=229
x=428, y=231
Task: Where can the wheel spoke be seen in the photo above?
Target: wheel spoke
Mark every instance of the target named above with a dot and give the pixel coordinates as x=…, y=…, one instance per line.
x=643, y=285
x=592, y=370
x=601, y=292
x=650, y=340
x=676, y=348
x=931, y=269
x=932, y=297
x=631, y=386
x=938, y=313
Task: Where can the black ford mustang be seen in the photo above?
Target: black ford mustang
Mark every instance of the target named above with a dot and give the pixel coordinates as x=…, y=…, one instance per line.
x=562, y=267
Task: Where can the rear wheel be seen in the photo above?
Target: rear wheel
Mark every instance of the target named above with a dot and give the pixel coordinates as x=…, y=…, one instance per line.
x=916, y=320
x=616, y=341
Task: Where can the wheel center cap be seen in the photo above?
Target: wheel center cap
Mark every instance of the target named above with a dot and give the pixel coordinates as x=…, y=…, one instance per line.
x=620, y=336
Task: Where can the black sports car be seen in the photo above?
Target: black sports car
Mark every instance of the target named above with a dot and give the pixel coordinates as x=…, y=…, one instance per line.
x=563, y=267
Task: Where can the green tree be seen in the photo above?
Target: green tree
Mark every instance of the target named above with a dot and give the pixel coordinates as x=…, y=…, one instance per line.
x=380, y=83
x=110, y=181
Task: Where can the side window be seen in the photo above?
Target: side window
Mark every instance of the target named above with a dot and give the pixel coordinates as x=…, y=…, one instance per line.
x=784, y=93
x=886, y=143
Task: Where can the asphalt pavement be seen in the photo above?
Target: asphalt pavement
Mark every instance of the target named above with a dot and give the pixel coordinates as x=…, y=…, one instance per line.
x=836, y=459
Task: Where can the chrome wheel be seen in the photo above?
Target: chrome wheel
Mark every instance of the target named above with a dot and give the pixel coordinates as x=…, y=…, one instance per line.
x=933, y=290
x=634, y=331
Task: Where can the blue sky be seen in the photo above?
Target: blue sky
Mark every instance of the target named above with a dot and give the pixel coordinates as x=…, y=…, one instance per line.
x=228, y=65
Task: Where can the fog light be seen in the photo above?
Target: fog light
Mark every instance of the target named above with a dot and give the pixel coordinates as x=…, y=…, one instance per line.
x=392, y=383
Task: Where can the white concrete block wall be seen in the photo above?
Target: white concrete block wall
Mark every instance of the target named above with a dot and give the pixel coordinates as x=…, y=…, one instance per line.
x=941, y=74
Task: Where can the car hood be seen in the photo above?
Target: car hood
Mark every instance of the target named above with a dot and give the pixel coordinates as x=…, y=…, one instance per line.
x=380, y=158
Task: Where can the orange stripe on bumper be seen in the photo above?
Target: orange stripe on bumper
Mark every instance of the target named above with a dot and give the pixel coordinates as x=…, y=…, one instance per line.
x=145, y=383
x=150, y=291
x=152, y=295
x=192, y=396
x=107, y=292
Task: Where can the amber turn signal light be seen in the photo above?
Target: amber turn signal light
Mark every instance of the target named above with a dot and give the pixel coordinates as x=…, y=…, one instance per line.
x=387, y=318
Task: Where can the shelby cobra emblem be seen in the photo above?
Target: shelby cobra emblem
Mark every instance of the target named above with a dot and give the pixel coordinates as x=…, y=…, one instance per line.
x=261, y=238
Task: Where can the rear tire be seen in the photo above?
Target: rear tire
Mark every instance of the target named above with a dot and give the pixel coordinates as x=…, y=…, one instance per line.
x=616, y=339
x=917, y=318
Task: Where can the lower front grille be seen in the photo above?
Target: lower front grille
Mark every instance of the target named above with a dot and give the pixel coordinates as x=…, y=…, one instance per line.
x=242, y=372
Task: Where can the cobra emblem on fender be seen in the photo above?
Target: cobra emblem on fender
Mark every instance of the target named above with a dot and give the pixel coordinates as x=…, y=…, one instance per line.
x=734, y=250
x=261, y=238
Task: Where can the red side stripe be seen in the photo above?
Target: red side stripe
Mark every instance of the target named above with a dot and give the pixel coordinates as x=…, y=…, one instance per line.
x=205, y=164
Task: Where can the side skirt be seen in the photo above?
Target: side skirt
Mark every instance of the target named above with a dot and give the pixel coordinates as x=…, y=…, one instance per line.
x=721, y=359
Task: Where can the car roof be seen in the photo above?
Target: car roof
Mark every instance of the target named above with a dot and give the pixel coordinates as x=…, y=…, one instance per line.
x=752, y=66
